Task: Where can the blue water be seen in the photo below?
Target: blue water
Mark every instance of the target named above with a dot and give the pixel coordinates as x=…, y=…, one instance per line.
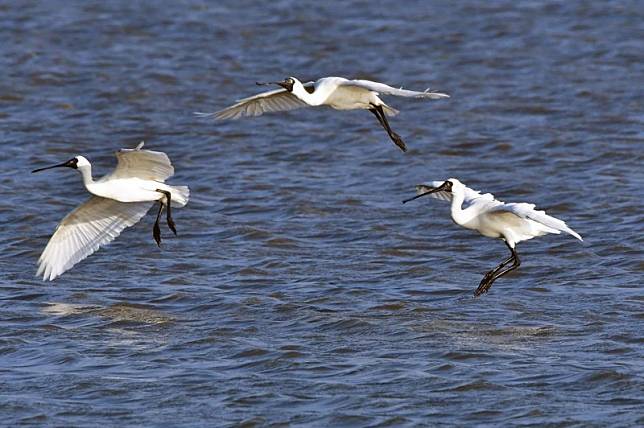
x=300, y=291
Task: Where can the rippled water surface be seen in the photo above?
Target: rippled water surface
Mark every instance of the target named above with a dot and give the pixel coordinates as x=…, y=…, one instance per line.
x=300, y=291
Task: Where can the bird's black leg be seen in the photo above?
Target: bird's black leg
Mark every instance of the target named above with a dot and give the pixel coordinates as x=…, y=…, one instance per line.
x=170, y=221
x=515, y=265
x=491, y=273
x=375, y=113
x=156, y=231
x=498, y=272
x=380, y=114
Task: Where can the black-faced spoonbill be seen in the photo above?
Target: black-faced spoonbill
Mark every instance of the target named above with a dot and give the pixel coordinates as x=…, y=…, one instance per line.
x=336, y=92
x=120, y=199
x=512, y=222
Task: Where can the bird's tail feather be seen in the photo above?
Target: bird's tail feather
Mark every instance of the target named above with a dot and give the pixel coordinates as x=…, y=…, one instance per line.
x=556, y=224
x=550, y=222
x=180, y=195
x=389, y=111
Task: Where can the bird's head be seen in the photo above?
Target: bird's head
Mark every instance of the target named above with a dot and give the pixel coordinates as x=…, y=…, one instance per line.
x=456, y=185
x=81, y=162
x=450, y=186
x=289, y=83
x=75, y=163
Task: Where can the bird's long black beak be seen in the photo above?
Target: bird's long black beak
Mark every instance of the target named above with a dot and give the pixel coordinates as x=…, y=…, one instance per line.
x=437, y=189
x=70, y=163
x=286, y=84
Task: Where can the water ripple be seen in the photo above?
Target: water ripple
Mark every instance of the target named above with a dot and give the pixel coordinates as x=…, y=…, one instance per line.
x=300, y=291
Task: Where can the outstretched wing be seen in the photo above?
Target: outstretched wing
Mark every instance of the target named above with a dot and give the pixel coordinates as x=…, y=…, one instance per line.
x=383, y=89
x=431, y=185
x=528, y=211
x=470, y=196
x=144, y=164
x=83, y=231
x=266, y=102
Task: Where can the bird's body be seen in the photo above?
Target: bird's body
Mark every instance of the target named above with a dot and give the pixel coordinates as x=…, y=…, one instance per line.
x=131, y=190
x=335, y=92
x=119, y=200
x=344, y=94
x=511, y=222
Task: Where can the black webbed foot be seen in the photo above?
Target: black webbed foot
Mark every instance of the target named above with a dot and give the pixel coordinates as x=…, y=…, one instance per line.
x=483, y=287
x=156, y=233
x=171, y=225
x=398, y=141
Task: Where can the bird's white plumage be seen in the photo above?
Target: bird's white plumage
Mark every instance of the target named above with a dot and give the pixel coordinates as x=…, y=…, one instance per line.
x=143, y=164
x=487, y=215
x=327, y=91
x=529, y=212
x=90, y=226
x=120, y=199
x=384, y=89
x=511, y=222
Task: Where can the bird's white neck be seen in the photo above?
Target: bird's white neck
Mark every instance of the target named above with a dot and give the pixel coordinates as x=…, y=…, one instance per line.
x=86, y=173
x=459, y=215
x=314, y=99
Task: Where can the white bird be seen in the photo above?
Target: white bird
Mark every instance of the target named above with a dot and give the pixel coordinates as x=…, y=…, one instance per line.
x=335, y=92
x=120, y=199
x=512, y=222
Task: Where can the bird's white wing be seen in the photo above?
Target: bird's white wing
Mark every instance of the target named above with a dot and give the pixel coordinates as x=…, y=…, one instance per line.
x=528, y=211
x=91, y=225
x=266, y=102
x=143, y=164
x=484, y=201
x=381, y=88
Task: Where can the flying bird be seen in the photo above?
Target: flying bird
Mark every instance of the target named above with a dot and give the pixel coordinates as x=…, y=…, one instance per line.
x=336, y=92
x=511, y=222
x=119, y=200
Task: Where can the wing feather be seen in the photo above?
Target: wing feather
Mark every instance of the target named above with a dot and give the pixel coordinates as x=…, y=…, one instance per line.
x=91, y=225
x=470, y=197
x=528, y=211
x=383, y=89
x=144, y=164
x=256, y=105
x=426, y=187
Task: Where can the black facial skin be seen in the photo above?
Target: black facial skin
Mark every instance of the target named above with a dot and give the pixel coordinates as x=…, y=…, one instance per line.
x=72, y=163
x=287, y=84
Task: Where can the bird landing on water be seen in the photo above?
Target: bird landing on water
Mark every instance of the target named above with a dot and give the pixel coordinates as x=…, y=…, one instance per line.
x=511, y=222
x=119, y=200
